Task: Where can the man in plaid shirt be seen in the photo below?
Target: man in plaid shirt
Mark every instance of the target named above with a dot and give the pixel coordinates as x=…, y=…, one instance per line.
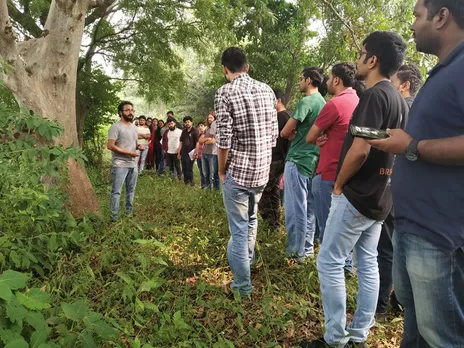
x=247, y=130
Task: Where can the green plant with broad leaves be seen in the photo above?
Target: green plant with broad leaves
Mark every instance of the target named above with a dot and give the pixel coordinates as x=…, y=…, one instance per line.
x=26, y=320
x=35, y=225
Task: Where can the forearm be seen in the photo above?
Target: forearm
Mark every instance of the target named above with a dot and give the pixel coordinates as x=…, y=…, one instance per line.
x=117, y=149
x=351, y=165
x=179, y=149
x=222, y=155
x=447, y=152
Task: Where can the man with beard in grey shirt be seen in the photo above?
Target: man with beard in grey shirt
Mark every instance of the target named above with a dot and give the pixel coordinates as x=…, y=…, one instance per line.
x=122, y=141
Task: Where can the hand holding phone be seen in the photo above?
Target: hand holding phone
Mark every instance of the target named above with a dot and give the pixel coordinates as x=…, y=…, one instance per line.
x=368, y=133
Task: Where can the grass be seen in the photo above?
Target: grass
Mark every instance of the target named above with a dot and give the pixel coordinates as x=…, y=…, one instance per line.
x=160, y=276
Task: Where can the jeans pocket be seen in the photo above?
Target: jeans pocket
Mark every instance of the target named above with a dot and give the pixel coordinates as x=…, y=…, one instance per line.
x=352, y=217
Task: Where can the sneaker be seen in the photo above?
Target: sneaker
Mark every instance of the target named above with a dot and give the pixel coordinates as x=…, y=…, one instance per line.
x=318, y=343
x=381, y=317
x=357, y=345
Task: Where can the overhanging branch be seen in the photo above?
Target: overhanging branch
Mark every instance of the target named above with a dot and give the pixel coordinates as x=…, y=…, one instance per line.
x=24, y=20
x=345, y=23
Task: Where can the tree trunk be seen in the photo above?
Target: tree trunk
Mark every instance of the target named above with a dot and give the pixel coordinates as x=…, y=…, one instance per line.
x=43, y=78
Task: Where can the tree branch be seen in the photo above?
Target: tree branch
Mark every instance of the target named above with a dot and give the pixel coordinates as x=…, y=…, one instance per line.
x=23, y=19
x=8, y=49
x=100, y=11
x=345, y=23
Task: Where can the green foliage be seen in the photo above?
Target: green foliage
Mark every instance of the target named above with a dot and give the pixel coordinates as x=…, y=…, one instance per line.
x=35, y=226
x=26, y=322
x=97, y=99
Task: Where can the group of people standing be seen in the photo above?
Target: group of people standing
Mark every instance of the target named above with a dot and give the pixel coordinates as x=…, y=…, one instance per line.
x=405, y=191
x=392, y=208
x=175, y=147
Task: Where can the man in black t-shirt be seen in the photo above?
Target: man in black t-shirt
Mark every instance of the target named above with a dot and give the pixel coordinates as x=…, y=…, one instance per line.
x=269, y=205
x=188, y=142
x=360, y=201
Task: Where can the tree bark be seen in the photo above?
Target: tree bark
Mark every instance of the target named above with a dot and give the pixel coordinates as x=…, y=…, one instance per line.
x=42, y=76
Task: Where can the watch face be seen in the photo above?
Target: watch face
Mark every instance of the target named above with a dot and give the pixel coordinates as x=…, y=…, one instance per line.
x=411, y=156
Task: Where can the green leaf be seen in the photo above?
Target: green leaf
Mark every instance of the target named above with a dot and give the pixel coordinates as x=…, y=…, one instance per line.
x=39, y=337
x=34, y=299
x=149, y=285
x=136, y=343
x=20, y=343
x=36, y=320
x=14, y=280
x=87, y=340
x=8, y=336
x=76, y=311
x=5, y=292
x=102, y=329
x=125, y=277
x=150, y=242
x=92, y=317
x=15, y=311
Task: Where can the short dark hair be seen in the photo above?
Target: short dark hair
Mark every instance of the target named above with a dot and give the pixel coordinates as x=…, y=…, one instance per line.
x=347, y=73
x=170, y=112
x=279, y=94
x=122, y=104
x=201, y=123
x=161, y=121
x=318, y=79
x=142, y=118
x=411, y=73
x=155, y=119
x=149, y=118
x=187, y=118
x=456, y=8
x=234, y=59
x=389, y=48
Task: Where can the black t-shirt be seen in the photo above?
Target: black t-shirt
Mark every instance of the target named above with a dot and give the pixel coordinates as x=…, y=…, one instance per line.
x=380, y=107
x=279, y=152
x=189, y=140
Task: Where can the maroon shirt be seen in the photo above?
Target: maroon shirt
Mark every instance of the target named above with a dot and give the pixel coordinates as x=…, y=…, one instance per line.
x=334, y=120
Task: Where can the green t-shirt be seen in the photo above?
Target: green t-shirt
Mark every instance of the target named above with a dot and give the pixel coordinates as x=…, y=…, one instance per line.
x=305, y=155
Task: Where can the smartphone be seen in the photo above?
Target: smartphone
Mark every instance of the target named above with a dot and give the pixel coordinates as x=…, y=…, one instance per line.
x=368, y=133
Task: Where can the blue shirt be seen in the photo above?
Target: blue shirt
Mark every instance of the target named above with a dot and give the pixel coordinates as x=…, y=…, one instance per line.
x=429, y=198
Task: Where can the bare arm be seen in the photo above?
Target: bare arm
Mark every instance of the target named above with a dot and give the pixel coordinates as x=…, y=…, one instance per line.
x=222, y=162
x=289, y=128
x=447, y=152
x=354, y=160
x=313, y=134
x=112, y=147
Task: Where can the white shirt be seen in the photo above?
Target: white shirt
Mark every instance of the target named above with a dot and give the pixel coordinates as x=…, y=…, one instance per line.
x=174, y=140
x=144, y=131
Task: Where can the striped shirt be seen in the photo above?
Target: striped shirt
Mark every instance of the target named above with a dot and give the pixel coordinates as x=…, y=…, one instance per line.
x=247, y=126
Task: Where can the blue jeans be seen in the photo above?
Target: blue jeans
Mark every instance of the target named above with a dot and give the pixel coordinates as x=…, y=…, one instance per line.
x=241, y=205
x=210, y=170
x=143, y=157
x=430, y=285
x=299, y=213
x=202, y=176
x=322, y=192
x=346, y=230
x=121, y=176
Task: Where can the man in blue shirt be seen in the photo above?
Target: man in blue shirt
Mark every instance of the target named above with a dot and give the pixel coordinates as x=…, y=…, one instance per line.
x=428, y=186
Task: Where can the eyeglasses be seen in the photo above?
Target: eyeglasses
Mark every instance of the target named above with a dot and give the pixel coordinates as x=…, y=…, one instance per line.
x=362, y=53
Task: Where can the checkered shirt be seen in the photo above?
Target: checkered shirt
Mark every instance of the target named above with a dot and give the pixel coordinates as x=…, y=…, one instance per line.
x=247, y=126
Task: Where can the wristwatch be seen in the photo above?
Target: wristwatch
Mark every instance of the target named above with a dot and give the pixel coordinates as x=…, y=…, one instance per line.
x=412, y=153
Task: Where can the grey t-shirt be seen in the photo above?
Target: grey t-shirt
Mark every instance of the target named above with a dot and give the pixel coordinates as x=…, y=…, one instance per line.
x=125, y=137
x=210, y=149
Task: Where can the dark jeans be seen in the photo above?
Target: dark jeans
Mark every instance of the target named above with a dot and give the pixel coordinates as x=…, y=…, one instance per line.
x=210, y=170
x=187, y=168
x=202, y=176
x=385, y=261
x=269, y=205
x=173, y=162
x=159, y=160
